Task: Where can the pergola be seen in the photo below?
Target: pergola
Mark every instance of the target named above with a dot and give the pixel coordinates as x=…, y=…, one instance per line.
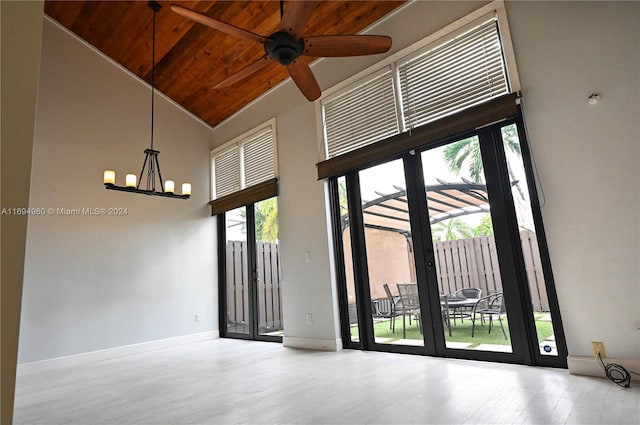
x=390, y=259
x=390, y=211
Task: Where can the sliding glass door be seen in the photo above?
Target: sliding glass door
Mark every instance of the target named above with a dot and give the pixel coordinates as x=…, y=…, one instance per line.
x=236, y=283
x=391, y=269
x=539, y=283
x=438, y=253
x=250, y=273
x=465, y=258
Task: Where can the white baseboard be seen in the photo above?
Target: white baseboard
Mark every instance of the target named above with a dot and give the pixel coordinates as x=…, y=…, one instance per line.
x=110, y=353
x=312, y=343
x=590, y=366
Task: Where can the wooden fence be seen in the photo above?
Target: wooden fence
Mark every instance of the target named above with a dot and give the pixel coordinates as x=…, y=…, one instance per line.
x=464, y=263
x=269, y=276
x=473, y=263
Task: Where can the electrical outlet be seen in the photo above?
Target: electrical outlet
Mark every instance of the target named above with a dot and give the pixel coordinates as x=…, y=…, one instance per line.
x=598, y=347
x=309, y=318
x=196, y=317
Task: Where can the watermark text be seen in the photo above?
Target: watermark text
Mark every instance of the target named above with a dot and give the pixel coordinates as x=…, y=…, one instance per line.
x=63, y=211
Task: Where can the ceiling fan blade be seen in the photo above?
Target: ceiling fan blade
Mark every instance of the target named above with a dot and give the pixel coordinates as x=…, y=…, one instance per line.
x=304, y=79
x=218, y=25
x=296, y=16
x=244, y=72
x=345, y=45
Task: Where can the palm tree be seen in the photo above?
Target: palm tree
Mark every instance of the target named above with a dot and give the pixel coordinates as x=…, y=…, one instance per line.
x=267, y=220
x=342, y=195
x=510, y=138
x=511, y=141
x=464, y=151
x=467, y=151
x=450, y=230
x=266, y=216
x=485, y=228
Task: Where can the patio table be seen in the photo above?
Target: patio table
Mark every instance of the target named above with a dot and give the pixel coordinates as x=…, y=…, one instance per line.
x=452, y=303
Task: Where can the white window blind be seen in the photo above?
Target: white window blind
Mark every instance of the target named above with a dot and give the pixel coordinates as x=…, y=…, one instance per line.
x=226, y=172
x=439, y=77
x=259, y=158
x=459, y=73
x=245, y=161
x=360, y=116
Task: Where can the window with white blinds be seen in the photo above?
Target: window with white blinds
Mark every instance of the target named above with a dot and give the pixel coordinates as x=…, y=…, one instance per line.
x=245, y=161
x=258, y=158
x=452, y=73
x=362, y=115
x=226, y=173
x=459, y=73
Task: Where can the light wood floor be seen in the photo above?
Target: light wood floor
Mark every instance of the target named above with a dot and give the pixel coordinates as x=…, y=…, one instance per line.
x=233, y=382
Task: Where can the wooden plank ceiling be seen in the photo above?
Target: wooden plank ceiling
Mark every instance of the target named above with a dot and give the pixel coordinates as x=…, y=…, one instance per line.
x=190, y=57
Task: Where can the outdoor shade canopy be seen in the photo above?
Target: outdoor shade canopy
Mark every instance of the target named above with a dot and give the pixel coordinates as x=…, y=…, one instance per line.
x=390, y=211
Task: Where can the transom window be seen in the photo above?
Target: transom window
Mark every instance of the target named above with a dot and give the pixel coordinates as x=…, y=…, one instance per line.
x=244, y=161
x=439, y=76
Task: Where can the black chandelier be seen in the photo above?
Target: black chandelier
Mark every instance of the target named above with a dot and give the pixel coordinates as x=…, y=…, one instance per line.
x=150, y=164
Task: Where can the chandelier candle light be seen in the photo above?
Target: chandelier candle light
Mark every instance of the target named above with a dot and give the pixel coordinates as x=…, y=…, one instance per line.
x=151, y=164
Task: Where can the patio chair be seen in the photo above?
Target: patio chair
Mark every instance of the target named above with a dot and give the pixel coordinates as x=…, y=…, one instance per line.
x=444, y=306
x=395, y=307
x=491, y=305
x=410, y=304
x=394, y=303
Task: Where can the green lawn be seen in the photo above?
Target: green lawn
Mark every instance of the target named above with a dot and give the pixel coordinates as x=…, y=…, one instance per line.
x=461, y=331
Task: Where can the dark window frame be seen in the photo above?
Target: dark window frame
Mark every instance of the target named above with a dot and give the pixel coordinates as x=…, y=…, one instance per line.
x=253, y=333
x=524, y=333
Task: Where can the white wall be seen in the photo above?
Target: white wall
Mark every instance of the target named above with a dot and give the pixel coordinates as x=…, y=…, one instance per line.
x=21, y=39
x=586, y=157
x=96, y=282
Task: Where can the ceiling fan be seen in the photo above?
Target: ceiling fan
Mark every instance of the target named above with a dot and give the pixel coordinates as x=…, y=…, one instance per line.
x=287, y=45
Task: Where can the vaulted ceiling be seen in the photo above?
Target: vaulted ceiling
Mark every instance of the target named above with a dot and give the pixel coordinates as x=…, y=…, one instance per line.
x=191, y=58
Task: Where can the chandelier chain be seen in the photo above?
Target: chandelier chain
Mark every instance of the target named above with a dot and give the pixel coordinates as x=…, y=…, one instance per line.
x=153, y=66
x=151, y=163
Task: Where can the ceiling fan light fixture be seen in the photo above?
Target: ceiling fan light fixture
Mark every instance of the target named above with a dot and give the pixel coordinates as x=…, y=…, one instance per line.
x=283, y=48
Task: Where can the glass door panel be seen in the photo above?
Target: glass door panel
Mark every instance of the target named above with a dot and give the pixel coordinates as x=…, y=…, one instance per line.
x=345, y=231
x=528, y=238
x=395, y=306
x=468, y=273
x=483, y=253
x=250, y=272
x=267, y=268
x=237, y=277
